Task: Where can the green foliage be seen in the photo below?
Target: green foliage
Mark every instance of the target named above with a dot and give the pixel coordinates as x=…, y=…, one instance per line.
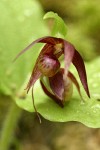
x=21, y=23
x=87, y=113
x=59, y=27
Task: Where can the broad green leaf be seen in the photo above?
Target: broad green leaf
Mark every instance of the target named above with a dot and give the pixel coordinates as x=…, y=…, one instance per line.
x=59, y=27
x=20, y=23
x=87, y=113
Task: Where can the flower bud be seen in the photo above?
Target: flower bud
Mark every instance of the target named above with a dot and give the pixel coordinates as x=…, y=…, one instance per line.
x=48, y=65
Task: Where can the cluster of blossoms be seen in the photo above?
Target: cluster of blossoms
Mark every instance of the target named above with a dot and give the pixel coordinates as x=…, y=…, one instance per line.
x=48, y=65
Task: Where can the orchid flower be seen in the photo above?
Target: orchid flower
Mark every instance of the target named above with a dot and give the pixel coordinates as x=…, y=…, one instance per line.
x=48, y=65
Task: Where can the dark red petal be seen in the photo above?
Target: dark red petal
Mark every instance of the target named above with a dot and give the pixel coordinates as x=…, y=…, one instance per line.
x=68, y=56
x=46, y=39
x=47, y=49
x=51, y=40
x=59, y=102
x=79, y=64
x=34, y=77
x=57, y=85
x=74, y=80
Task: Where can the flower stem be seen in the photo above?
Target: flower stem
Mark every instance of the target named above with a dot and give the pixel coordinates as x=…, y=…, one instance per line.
x=9, y=126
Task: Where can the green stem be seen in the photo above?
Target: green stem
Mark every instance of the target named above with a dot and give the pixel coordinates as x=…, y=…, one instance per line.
x=9, y=126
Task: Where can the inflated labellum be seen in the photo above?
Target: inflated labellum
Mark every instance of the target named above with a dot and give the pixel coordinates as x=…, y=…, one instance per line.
x=48, y=65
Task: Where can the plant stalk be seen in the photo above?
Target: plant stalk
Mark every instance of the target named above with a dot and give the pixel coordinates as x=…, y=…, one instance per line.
x=9, y=126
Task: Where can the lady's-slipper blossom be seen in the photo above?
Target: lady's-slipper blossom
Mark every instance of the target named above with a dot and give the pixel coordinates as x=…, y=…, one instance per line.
x=48, y=64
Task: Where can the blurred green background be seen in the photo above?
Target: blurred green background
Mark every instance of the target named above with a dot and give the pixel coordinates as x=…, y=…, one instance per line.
x=20, y=23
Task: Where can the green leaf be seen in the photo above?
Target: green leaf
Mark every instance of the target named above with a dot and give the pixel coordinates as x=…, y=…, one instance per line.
x=59, y=27
x=20, y=25
x=87, y=113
